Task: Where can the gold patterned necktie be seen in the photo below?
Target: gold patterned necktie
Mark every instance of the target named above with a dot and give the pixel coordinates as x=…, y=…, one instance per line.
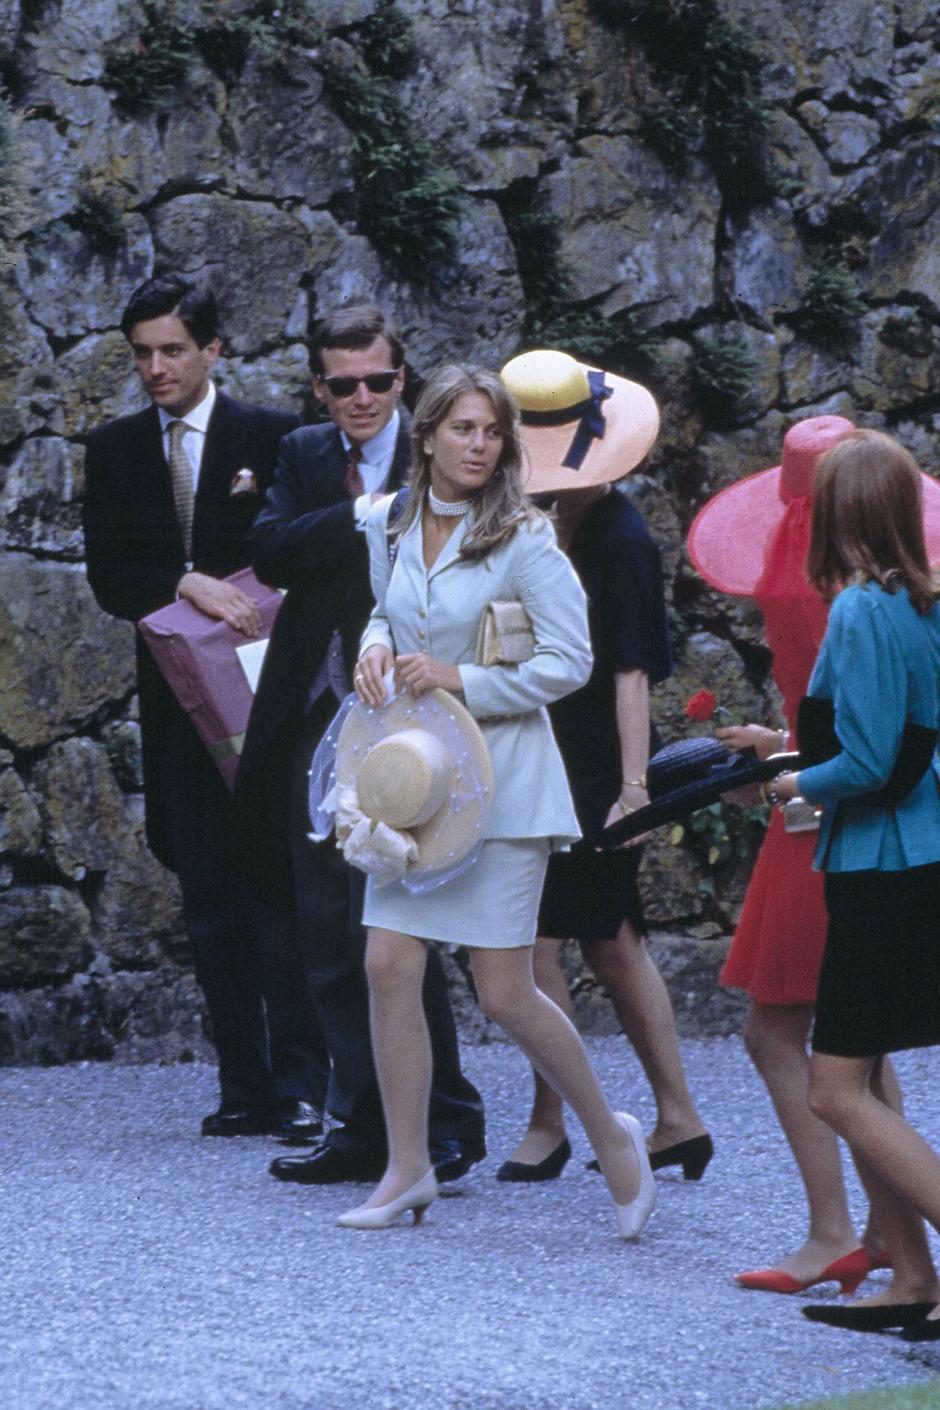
x=181, y=473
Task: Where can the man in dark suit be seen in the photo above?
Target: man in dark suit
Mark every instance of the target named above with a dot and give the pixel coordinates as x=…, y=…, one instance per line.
x=171, y=493
x=308, y=538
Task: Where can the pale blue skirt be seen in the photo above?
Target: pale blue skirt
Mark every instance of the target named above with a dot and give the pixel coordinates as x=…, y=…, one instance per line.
x=493, y=906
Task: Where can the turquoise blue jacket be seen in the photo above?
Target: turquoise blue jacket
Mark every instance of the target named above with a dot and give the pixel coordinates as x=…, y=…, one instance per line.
x=880, y=666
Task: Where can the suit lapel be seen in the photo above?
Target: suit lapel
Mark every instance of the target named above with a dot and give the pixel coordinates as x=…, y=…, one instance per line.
x=220, y=448
x=402, y=457
x=450, y=553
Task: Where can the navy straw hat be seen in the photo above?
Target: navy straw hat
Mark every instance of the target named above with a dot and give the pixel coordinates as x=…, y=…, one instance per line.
x=688, y=775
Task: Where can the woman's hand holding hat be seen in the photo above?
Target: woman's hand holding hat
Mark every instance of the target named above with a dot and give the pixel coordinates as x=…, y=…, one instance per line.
x=419, y=673
x=369, y=676
x=763, y=741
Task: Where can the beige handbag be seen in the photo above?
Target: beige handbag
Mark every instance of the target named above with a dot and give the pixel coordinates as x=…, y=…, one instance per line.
x=505, y=637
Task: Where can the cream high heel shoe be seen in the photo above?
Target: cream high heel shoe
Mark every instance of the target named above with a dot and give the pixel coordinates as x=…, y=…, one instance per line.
x=632, y=1217
x=381, y=1216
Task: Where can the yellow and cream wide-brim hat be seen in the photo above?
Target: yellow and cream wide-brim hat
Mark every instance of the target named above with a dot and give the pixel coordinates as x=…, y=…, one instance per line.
x=580, y=426
x=421, y=768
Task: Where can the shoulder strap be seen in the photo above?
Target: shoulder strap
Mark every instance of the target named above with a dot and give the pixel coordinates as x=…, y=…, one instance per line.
x=395, y=511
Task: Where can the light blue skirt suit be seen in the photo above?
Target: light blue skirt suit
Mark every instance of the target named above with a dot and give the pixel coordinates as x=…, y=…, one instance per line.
x=437, y=610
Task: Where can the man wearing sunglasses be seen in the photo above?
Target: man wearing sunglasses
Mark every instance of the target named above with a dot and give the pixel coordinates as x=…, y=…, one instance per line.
x=309, y=539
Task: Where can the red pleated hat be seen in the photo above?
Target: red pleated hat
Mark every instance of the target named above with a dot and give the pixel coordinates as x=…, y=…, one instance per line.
x=730, y=535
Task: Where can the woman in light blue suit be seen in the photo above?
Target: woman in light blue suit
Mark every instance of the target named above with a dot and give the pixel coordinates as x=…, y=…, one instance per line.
x=875, y=695
x=468, y=537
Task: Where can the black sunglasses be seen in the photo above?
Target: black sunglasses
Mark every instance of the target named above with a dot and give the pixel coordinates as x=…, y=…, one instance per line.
x=343, y=387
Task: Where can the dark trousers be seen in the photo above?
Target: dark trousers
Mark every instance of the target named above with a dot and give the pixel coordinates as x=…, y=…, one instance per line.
x=329, y=903
x=248, y=958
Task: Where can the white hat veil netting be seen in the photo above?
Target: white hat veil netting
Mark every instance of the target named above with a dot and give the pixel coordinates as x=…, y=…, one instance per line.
x=437, y=851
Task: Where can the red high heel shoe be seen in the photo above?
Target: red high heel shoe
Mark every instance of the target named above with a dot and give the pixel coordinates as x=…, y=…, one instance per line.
x=848, y=1271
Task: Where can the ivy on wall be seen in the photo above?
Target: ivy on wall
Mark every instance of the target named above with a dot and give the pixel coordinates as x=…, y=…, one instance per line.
x=709, y=75
x=401, y=188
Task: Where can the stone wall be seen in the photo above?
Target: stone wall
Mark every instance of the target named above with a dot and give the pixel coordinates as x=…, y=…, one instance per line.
x=747, y=221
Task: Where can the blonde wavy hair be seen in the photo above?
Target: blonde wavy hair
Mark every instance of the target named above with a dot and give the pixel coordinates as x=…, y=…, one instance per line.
x=501, y=506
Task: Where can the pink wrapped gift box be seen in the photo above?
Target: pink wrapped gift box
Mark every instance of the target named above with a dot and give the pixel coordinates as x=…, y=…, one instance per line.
x=198, y=656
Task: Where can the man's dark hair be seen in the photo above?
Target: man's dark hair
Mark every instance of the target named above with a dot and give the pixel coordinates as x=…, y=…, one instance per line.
x=355, y=326
x=193, y=304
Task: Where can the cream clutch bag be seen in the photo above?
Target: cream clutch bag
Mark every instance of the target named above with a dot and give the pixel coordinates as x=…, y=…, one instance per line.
x=505, y=637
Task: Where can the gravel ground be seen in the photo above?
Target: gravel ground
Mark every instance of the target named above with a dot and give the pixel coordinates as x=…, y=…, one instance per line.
x=144, y=1268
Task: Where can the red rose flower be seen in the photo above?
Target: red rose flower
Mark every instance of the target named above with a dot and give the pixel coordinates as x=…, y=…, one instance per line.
x=702, y=706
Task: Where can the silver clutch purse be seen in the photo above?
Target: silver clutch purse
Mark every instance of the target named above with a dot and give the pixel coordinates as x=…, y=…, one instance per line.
x=800, y=816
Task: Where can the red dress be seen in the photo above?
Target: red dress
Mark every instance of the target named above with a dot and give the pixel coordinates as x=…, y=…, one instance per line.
x=777, y=948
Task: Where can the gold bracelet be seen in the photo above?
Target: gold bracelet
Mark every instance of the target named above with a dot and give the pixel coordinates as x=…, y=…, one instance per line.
x=624, y=810
x=634, y=782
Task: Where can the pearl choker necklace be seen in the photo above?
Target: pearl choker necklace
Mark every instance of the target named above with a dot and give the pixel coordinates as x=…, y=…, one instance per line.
x=448, y=509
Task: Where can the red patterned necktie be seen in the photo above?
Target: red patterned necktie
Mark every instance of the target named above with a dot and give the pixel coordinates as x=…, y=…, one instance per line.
x=353, y=482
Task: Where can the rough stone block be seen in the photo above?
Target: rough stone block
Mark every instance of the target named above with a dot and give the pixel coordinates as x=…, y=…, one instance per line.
x=82, y=807
x=902, y=198
x=20, y=822
x=44, y=935
x=633, y=232
x=27, y=371
x=153, y=1016
x=61, y=658
x=252, y=253
x=109, y=276
x=136, y=908
x=122, y=741
x=40, y=494
x=96, y=381
x=287, y=141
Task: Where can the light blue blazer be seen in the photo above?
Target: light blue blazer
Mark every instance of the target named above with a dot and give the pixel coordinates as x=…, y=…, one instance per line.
x=438, y=610
x=880, y=665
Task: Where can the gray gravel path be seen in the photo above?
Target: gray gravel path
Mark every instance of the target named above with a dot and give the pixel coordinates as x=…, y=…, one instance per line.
x=142, y=1268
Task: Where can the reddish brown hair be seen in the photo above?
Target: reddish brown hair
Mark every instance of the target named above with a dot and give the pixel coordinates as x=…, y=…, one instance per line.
x=868, y=519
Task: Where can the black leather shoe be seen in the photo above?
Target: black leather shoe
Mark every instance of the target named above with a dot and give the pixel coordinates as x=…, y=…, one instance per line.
x=869, y=1319
x=518, y=1172
x=234, y=1120
x=453, y=1158
x=298, y=1123
x=330, y=1165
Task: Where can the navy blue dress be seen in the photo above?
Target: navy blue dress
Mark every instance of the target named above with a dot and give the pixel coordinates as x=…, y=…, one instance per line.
x=588, y=893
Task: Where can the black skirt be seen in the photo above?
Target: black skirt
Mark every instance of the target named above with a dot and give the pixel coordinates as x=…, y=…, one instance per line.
x=879, y=986
x=588, y=894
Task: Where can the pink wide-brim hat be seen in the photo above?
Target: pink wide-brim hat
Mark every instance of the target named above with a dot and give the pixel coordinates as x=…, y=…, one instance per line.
x=580, y=426
x=729, y=536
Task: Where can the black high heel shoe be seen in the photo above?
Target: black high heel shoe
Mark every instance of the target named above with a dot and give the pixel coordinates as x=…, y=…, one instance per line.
x=517, y=1172
x=693, y=1155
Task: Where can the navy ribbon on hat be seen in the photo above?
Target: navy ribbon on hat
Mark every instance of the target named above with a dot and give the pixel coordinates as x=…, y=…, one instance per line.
x=590, y=415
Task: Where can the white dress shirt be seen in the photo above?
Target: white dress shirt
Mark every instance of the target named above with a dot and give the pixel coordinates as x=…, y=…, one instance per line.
x=196, y=422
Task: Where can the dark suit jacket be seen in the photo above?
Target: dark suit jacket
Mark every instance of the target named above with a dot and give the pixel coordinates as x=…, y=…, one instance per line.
x=134, y=549
x=304, y=540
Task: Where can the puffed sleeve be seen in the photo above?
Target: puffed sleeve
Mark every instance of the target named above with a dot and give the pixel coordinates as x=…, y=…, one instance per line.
x=548, y=588
x=378, y=631
x=869, y=675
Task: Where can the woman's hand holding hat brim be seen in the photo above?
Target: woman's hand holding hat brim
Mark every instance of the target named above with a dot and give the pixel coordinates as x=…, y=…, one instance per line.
x=369, y=676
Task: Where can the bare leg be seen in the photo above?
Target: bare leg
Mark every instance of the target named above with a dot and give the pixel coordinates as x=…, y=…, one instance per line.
x=395, y=969
x=508, y=995
x=641, y=1001
x=776, y=1036
x=889, y=1091
x=901, y=1172
x=546, y=1129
